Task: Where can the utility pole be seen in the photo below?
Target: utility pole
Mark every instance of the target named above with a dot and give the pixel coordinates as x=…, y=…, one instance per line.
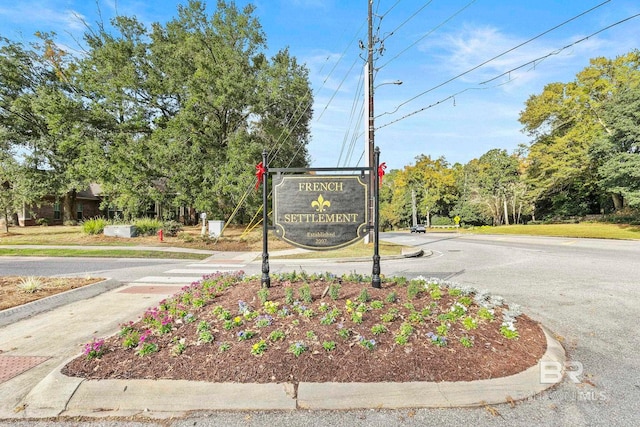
x=370, y=120
x=414, y=213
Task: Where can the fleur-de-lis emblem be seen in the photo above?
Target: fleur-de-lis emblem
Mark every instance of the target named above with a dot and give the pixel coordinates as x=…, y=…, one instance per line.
x=320, y=204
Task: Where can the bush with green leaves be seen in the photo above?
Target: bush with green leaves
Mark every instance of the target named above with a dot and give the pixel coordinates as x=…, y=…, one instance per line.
x=94, y=226
x=147, y=226
x=171, y=228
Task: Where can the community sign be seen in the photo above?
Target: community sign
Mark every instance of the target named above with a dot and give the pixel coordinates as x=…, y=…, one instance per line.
x=320, y=212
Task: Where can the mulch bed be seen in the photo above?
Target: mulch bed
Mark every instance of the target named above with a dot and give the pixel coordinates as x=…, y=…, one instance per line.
x=491, y=356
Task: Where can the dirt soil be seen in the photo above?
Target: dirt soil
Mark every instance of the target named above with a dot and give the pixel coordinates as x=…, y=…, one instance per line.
x=491, y=356
x=12, y=295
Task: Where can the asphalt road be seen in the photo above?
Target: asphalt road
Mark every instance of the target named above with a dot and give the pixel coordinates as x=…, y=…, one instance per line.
x=584, y=290
x=125, y=269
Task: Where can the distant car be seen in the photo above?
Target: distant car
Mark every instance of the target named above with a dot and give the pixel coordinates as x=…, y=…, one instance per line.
x=419, y=229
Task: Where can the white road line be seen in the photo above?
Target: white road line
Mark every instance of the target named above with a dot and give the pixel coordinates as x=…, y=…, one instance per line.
x=161, y=279
x=236, y=266
x=199, y=271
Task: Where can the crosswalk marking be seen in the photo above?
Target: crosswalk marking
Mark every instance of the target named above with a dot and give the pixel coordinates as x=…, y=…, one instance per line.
x=190, y=273
x=199, y=270
x=215, y=266
x=168, y=279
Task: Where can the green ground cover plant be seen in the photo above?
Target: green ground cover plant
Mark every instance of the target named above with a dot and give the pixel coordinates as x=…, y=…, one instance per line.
x=231, y=314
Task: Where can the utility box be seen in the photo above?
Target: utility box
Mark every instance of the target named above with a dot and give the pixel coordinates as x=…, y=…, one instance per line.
x=215, y=228
x=127, y=231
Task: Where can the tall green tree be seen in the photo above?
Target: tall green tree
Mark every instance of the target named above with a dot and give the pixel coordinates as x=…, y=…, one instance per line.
x=395, y=200
x=493, y=180
x=185, y=109
x=43, y=116
x=565, y=120
x=619, y=151
x=434, y=183
x=19, y=188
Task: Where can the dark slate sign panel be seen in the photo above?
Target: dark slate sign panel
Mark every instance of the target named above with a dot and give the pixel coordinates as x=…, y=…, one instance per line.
x=320, y=212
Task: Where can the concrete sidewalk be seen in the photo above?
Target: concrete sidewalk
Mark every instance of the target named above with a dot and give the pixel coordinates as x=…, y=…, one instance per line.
x=34, y=348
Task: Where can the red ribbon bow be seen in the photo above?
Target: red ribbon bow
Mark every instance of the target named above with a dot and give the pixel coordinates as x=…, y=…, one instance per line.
x=381, y=169
x=260, y=171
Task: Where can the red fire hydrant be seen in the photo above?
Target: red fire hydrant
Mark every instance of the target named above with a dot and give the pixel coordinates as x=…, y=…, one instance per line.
x=161, y=235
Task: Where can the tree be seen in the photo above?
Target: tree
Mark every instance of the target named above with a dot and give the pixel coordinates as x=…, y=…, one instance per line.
x=18, y=189
x=186, y=109
x=619, y=150
x=565, y=120
x=429, y=185
x=395, y=200
x=42, y=115
x=493, y=180
x=434, y=183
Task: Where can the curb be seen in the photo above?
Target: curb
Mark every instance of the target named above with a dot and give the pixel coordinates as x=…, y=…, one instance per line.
x=412, y=253
x=11, y=315
x=171, y=398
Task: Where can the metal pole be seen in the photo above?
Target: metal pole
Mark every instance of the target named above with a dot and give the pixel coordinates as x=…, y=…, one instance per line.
x=266, y=280
x=371, y=133
x=375, y=276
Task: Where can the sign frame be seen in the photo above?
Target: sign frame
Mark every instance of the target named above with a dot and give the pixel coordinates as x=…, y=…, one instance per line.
x=372, y=205
x=320, y=212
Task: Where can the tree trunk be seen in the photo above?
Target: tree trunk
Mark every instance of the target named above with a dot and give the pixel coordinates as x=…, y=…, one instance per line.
x=68, y=211
x=6, y=221
x=506, y=211
x=428, y=218
x=618, y=201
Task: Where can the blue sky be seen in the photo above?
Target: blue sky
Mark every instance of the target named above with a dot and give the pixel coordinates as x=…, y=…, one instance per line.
x=426, y=43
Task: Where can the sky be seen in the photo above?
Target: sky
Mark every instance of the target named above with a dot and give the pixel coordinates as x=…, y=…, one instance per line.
x=467, y=67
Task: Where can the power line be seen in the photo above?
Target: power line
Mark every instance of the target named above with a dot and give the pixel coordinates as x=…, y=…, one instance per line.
x=498, y=56
x=406, y=20
x=427, y=34
x=555, y=52
x=392, y=7
x=433, y=105
x=352, y=117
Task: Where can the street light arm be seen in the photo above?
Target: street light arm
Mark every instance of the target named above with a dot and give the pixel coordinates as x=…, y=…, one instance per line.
x=397, y=82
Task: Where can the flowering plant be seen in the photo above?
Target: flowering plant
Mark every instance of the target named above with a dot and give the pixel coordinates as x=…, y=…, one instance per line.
x=368, y=344
x=454, y=317
x=297, y=348
x=94, y=349
x=258, y=348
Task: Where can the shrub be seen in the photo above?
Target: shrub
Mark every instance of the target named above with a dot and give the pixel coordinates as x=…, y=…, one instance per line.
x=625, y=216
x=186, y=237
x=30, y=284
x=147, y=226
x=441, y=220
x=171, y=228
x=94, y=226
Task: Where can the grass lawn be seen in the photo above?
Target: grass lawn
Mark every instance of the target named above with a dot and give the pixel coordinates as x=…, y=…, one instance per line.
x=581, y=230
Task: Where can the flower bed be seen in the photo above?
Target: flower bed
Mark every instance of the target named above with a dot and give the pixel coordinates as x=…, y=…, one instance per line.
x=319, y=328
